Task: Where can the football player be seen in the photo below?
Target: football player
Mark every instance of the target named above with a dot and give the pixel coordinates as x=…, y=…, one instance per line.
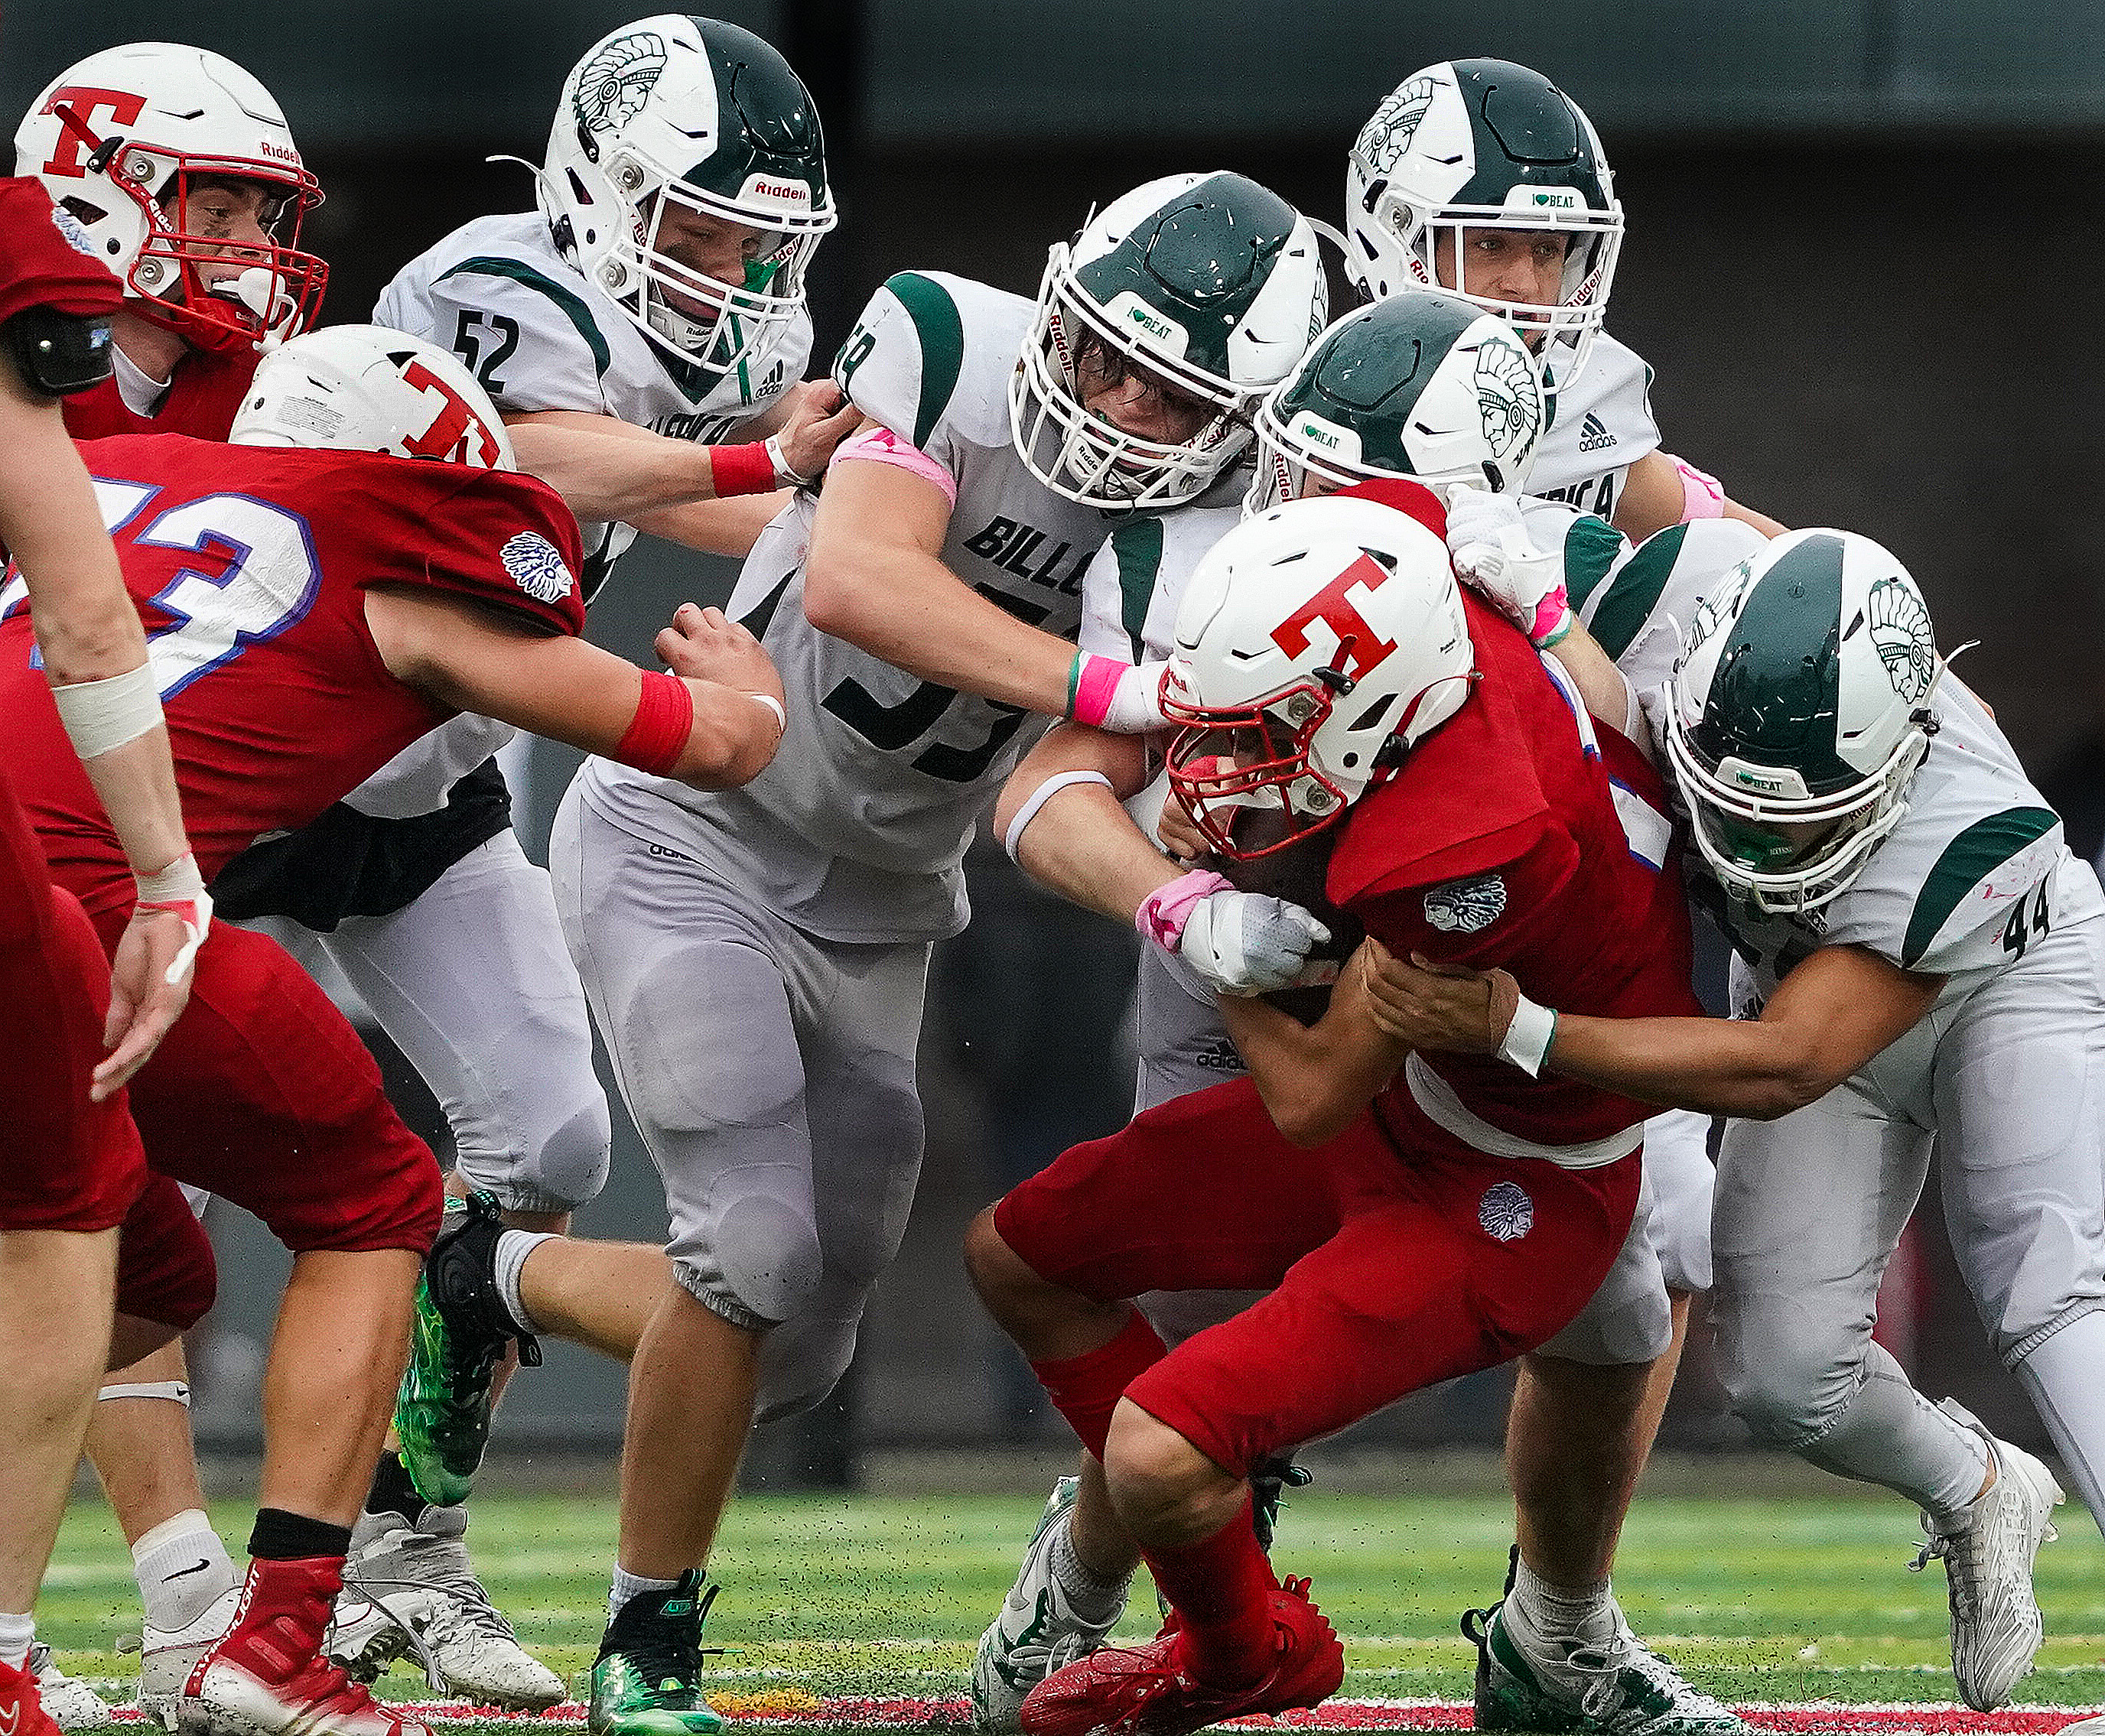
x=1429, y=387
x=1410, y=1222
x=1489, y=162
x=758, y=959
x=75, y=1165
x=350, y=609
x=1918, y=959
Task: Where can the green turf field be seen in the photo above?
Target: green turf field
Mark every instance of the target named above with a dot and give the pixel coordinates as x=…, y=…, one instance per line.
x=1773, y=1601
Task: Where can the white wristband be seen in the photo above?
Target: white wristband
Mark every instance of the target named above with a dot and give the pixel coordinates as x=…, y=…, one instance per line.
x=783, y=475
x=1012, y=840
x=103, y=715
x=176, y=1391
x=774, y=705
x=1528, y=1037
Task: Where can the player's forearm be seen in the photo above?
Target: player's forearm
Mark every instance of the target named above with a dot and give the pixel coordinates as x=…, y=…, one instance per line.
x=1742, y=1067
x=136, y=785
x=1768, y=526
x=1083, y=846
x=1607, y=694
x=906, y=607
x=1316, y=1080
x=732, y=740
x=716, y=527
x=615, y=472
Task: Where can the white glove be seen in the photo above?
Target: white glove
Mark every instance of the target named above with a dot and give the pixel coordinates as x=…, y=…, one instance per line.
x=1495, y=557
x=1245, y=944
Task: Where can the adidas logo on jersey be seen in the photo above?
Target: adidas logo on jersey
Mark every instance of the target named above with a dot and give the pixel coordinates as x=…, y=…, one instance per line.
x=1593, y=434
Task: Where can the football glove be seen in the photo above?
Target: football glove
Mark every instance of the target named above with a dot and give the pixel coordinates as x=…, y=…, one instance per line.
x=1495, y=557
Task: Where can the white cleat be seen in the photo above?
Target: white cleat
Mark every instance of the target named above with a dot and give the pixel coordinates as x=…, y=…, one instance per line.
x=167, y=1656
x=414, y=1592
x=1036, y=1632
x=1995, y=1625
x=73, y=1705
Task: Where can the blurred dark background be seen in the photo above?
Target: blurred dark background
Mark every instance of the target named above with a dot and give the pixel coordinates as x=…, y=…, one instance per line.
x=1864, y=258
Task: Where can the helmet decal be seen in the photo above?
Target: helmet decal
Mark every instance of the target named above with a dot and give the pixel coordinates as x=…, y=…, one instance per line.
x=1385, y=137
x=1900, y=628
x=1510, y=394
x=1360, y=647
x=613, y=84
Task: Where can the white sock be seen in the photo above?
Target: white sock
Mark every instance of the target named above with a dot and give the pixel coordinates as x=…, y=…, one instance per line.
x=1582, y=1612
x=512, y=1248
x=182, y=1569
x=18, y=1633
x=628, y=1585
x=1092, y=1596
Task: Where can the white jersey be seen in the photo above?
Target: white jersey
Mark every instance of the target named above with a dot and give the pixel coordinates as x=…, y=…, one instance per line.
x=538, y=335
x=858, y=829
x=1975, y=874
x=1600, y=426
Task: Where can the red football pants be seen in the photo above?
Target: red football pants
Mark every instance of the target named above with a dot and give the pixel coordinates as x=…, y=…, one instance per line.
x=69, y=1164
x=263, y=1094
x=1395, y=1258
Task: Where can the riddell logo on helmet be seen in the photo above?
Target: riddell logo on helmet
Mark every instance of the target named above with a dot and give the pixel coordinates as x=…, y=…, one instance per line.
x=280, y=152
x=786, y=192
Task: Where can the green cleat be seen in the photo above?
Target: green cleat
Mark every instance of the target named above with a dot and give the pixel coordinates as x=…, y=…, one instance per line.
x=647, y=1679
x=442, y=1407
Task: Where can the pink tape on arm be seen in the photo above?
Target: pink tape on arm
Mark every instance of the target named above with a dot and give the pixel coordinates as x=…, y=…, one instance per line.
x=880, y=445
x=1702, y=495
x=1164, y=913
x=1095, y=683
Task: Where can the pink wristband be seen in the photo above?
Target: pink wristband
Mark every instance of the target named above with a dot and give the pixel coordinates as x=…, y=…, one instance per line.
x=658, y=733
x=1702, y=495
x=742, y=470
x=1092, y=683
x=1164, y=913
x=880, y=445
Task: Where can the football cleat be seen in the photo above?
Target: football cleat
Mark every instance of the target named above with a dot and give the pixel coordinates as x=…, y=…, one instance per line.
x=412, y=1590
x=268, y=1675
x=1037, y=1631
x=1147, y=1690
x=442, y=1410
x=21, y=1708
x=1621, y=1688
x=167, y=1656
x=1995, y=1626
x=647, y=1679
x=71, y=1705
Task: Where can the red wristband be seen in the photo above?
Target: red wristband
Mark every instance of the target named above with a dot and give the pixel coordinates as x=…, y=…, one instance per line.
x=658, y=733
x=742, y=470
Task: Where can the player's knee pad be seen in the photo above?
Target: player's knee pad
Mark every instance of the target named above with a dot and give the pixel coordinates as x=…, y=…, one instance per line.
x=763, y=1262
x=801, y=1362
x=564, y=1163
x=1788, y=1376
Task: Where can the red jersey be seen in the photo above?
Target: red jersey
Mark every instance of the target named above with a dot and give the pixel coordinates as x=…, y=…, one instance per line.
x=1515, y=837
x=49, y=260
x=249, y=565
x=203, y=393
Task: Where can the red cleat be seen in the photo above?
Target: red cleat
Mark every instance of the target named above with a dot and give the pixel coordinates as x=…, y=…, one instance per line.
x=21, y=1708
x=269, y=1676
x=1146, y=1690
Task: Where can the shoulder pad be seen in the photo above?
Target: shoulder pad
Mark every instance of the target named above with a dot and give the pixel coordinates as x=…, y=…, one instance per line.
x=533, y=342
x=901, y=363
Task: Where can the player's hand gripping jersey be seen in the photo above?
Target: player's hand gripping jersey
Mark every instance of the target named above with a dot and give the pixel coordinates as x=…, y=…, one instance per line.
x=858, y=833
x=538, y=335
x=250, y=566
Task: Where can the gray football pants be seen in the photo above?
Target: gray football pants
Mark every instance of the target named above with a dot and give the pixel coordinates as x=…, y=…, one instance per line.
x=471, y=981
x=1184, y=1046
x=2008, y=1084
x=771, y=1074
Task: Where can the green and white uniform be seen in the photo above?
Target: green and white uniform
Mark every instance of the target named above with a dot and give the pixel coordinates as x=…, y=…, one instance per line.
x=756, y=957
x=1602, y=425
x=2006, y=1072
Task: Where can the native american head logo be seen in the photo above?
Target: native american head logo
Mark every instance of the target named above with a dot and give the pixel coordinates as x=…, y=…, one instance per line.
x=613, y=85
x=1509, y=396
x=1505, y=1212
x=1900, y=628
x=1385, y=138
x=1465, y=906
x=537, y=567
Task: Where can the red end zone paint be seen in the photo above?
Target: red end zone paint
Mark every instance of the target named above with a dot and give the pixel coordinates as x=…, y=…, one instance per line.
x=1815, y=1718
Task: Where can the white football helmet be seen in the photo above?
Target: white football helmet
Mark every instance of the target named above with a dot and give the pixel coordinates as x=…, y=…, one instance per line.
x=1209, y=285
x=1475, y=145
x=694, y=114
x=1316, y=645
x=122, y=139
x=1418, y=384
x=1799, y=715
x=363, y=388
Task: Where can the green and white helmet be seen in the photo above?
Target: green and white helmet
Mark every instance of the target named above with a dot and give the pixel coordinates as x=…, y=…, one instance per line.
x=1473, y=145
x=1419, y=385
x=693, y=112
x=1210, y=285
x=1798, y=714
